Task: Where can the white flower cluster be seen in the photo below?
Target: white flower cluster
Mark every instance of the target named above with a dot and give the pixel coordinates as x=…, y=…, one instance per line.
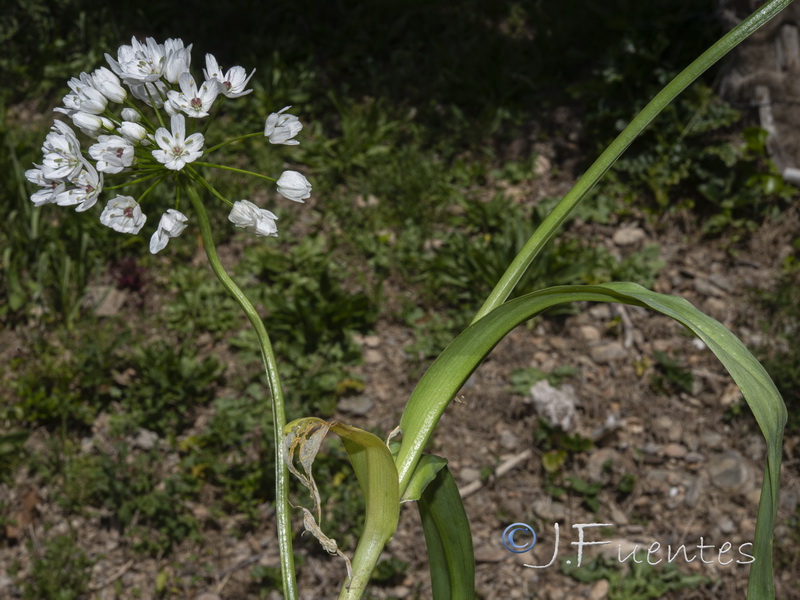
x=134, y=142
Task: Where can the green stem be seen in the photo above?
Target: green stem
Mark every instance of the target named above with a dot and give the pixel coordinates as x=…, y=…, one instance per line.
x=556, y=218
x=273, y=379
x=234, y=169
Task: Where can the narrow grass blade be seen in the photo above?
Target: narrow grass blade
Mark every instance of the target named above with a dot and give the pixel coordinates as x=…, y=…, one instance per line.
x=449, y=372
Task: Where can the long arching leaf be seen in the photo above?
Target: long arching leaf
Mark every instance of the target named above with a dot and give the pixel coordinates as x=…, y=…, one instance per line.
x=449, y=372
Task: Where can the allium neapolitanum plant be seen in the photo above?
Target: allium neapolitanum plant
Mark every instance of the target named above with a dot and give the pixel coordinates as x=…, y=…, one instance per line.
x=144, y=120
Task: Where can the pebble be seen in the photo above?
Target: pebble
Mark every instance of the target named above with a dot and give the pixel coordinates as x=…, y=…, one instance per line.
x=589, y=333
x=711, y=440
x=694, y=492
x=372, y=341
x=729, y=471
x=372, y=356
x=599, y=590
x=508, y=440
x=726, y=525
x=675, y=451
x=208, y=596
x=627, y=236
x=669, y=427
x=355, y=405
x=607, y=352
x=694, y=457
x=469, y=474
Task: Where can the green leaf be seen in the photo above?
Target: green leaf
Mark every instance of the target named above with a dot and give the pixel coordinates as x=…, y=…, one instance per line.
x=448, y=537
x=426, y=471
x=449, y=372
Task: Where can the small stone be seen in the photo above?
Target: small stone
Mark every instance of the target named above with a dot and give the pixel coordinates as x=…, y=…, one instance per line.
x=675, y=451
x=508, y=440
x=600, y=311
x=549, y=510
x=469, y=474
x=627, y=236
x=694, y=492
x=729, y=471
x=726, y=525
x=668, y=427
x=355, y=405
x=372, y=356
x=694, y=457
x=490, y=554
x=711, y=440
x=607, y=352
x=599, y=590
x=372, y=341
x=589, y=333
x=705, y=288
x=208, y=596
x=651, y=449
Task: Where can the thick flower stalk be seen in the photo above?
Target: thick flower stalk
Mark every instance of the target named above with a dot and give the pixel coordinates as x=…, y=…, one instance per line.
x=144, y=123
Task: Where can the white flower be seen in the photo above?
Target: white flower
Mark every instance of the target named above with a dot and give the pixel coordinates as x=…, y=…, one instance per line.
x=139, y=63
x=255, y=220
x=88, y=185
x=175, y=149
x=151, y=93
x=195, y=103
x=280, y=128
x=62, y=153
x=112, y=153
x=123, y=214
x=133, y=132
x=84, y=97
x=178, y=59
x=171, y=225
x=51, y=188
x=130, y=114
x=294, y=186
x=91, y=124
x=233, y=82
x=109, y=85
